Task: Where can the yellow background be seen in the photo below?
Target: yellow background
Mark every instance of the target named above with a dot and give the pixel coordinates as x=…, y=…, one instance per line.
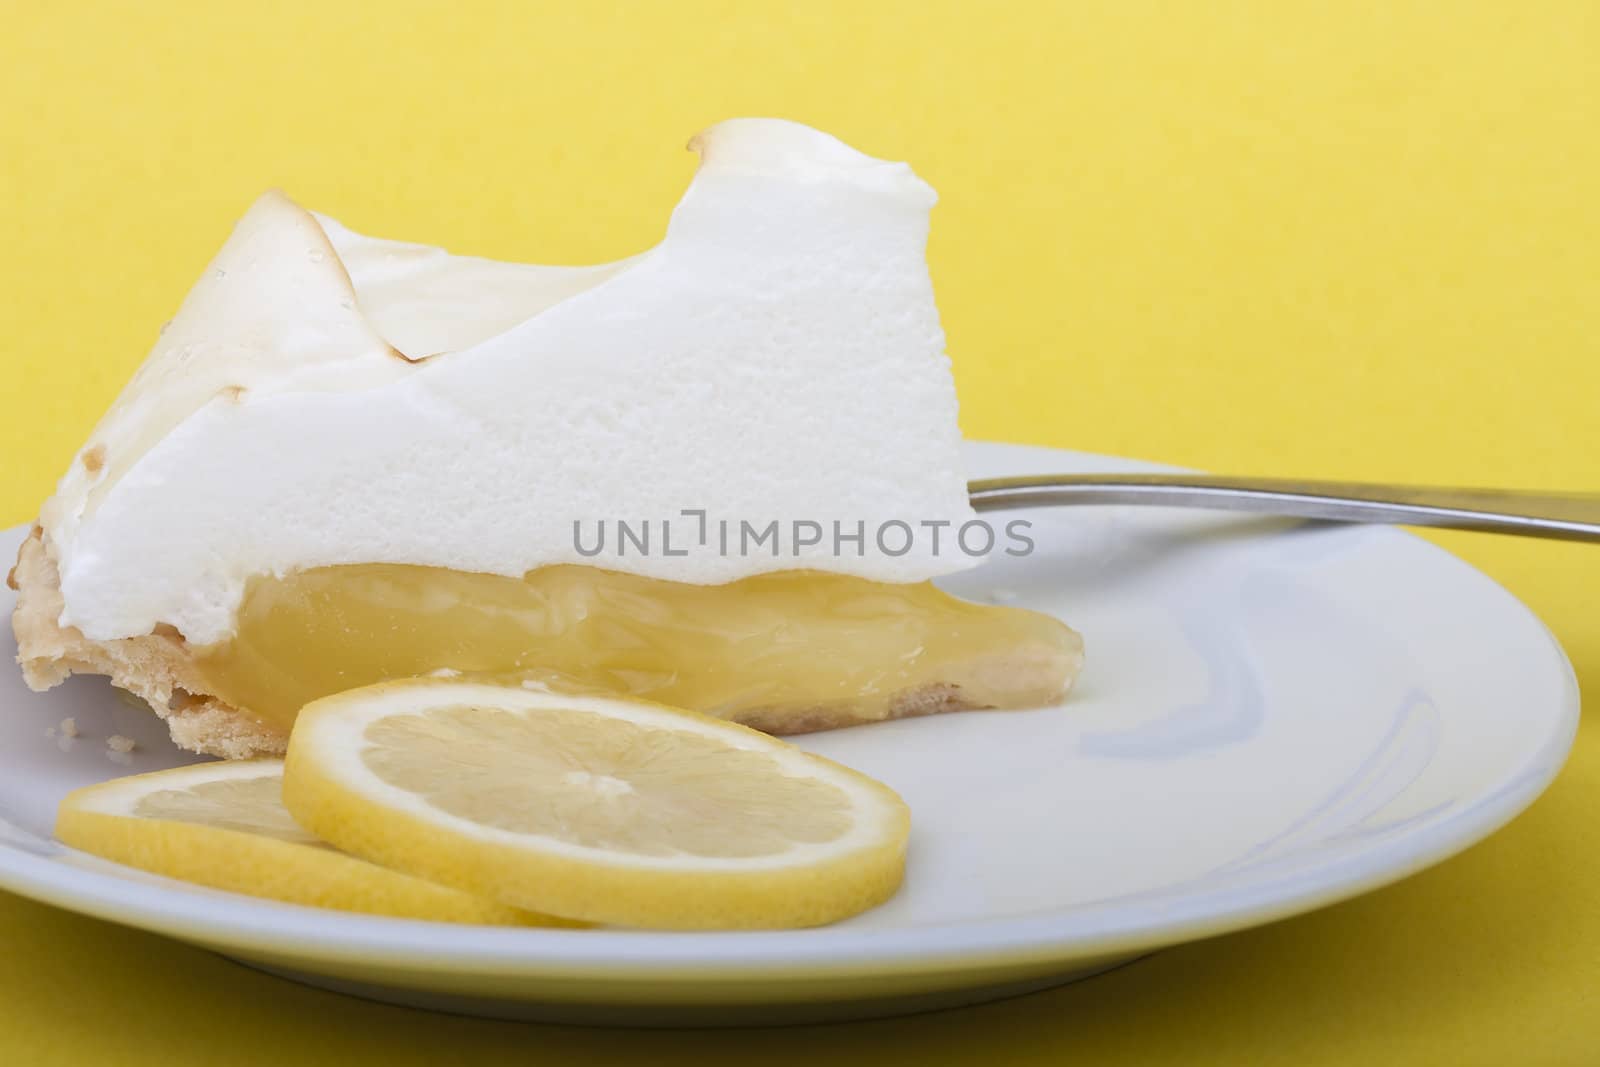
x=1344, y=239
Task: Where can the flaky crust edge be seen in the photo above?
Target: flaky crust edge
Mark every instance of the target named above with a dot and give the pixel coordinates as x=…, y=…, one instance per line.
x=158, y=668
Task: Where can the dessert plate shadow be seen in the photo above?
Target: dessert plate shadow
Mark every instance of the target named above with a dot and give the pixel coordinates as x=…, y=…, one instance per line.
x=1274, y=716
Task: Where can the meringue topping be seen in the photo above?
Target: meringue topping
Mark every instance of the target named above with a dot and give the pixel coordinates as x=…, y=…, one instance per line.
x=324, y=398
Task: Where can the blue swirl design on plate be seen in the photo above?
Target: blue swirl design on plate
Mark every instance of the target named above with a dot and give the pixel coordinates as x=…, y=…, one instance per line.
x=1355, y=809
x=1232, y=710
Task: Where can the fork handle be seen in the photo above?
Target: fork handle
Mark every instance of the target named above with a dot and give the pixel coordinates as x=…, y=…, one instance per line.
x=1565, y=516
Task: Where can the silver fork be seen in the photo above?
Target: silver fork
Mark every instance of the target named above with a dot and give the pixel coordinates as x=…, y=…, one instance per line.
x=1566, y=516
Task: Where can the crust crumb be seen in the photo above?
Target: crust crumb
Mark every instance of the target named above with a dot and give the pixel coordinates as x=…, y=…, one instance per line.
x=94, y=460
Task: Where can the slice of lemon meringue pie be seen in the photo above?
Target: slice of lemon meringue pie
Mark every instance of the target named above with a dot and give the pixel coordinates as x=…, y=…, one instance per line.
x=713, y=474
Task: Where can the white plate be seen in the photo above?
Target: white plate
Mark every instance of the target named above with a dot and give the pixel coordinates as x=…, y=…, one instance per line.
x=1274, y=717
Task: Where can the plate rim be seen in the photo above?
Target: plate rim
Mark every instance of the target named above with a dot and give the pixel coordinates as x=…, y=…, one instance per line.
x=244, y=924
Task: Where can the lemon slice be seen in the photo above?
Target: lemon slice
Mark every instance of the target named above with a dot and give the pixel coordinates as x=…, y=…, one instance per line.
x=598, y=808
x=223, y=825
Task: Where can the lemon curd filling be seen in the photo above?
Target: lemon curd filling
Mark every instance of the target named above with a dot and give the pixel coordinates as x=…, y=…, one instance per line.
x=787, y=651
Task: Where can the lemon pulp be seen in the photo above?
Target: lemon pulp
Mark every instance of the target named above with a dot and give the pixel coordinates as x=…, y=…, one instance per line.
x=246, y=805
x=604, y=783
x=786, y=651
